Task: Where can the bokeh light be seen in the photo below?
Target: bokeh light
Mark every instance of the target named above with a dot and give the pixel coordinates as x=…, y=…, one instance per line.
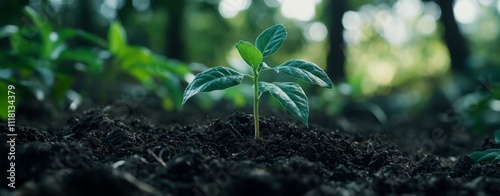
x=432, y=9
x=381, y=72
x=426, y=25
x=389, y=45
x=56, y=4
x=465, y=11
x=408, y=9
x=109, y=8
x=107, y=12
x=351, y=20
x=395, y=31
x=495, y=105
x=141, y=5
x=231, y=8
x=303, y=10
x=498, y=6
x=315, y=32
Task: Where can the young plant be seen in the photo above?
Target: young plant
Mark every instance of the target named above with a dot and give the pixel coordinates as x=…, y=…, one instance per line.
x=289, y=94
x=490, y=155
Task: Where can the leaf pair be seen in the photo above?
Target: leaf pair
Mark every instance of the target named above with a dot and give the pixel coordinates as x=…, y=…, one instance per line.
x=289, y=94
x=266, y=44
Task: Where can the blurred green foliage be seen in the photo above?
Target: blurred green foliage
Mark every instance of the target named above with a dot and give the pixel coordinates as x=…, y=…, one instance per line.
x=43, y=62
x=35, y=61
x=154, y=72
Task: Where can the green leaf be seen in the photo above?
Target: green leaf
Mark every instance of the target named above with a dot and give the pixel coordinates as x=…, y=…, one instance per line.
x=69, y=33
x=39, y=22
x=486, y=155
x=249, y=53
x=270, y=40
x=491, y=150
x=61, y=87
x=291, y=96
x=216, y=78
x=94, y=64
x=45, y=30
x=46, y=75
x=131, y=57
x=489, y=157
x=173, y=86
x=476, y=156
x=162, y=64
x=22, y=46
x=116, y=37
x=306, y=71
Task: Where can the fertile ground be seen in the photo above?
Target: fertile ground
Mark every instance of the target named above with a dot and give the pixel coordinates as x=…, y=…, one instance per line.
x=97, y=152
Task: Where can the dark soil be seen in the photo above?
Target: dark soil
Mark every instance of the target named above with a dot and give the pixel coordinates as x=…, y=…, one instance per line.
x=96, y=153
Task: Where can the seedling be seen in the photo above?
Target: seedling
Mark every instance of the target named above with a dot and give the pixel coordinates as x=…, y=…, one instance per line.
x=289, y=94
x=489, y=155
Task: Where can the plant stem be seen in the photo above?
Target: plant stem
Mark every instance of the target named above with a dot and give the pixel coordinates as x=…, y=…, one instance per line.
x=256, y=103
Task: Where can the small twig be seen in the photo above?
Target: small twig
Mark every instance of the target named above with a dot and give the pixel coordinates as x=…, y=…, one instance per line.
x=236, y=133
x=369, y=147
x=158, y=158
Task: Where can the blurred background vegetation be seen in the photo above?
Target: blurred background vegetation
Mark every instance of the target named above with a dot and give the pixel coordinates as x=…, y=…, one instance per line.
x=392, y=58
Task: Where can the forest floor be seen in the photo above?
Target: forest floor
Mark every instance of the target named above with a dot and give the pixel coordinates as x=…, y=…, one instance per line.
x=96, y=152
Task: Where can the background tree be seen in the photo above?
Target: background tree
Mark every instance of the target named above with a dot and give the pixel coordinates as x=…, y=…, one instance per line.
x=336, y=55
x=175, y=41
x=454, y=39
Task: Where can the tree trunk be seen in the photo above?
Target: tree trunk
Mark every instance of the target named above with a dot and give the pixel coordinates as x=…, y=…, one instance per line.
x=336, y=56
x=175, y=46
x=455, y=41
